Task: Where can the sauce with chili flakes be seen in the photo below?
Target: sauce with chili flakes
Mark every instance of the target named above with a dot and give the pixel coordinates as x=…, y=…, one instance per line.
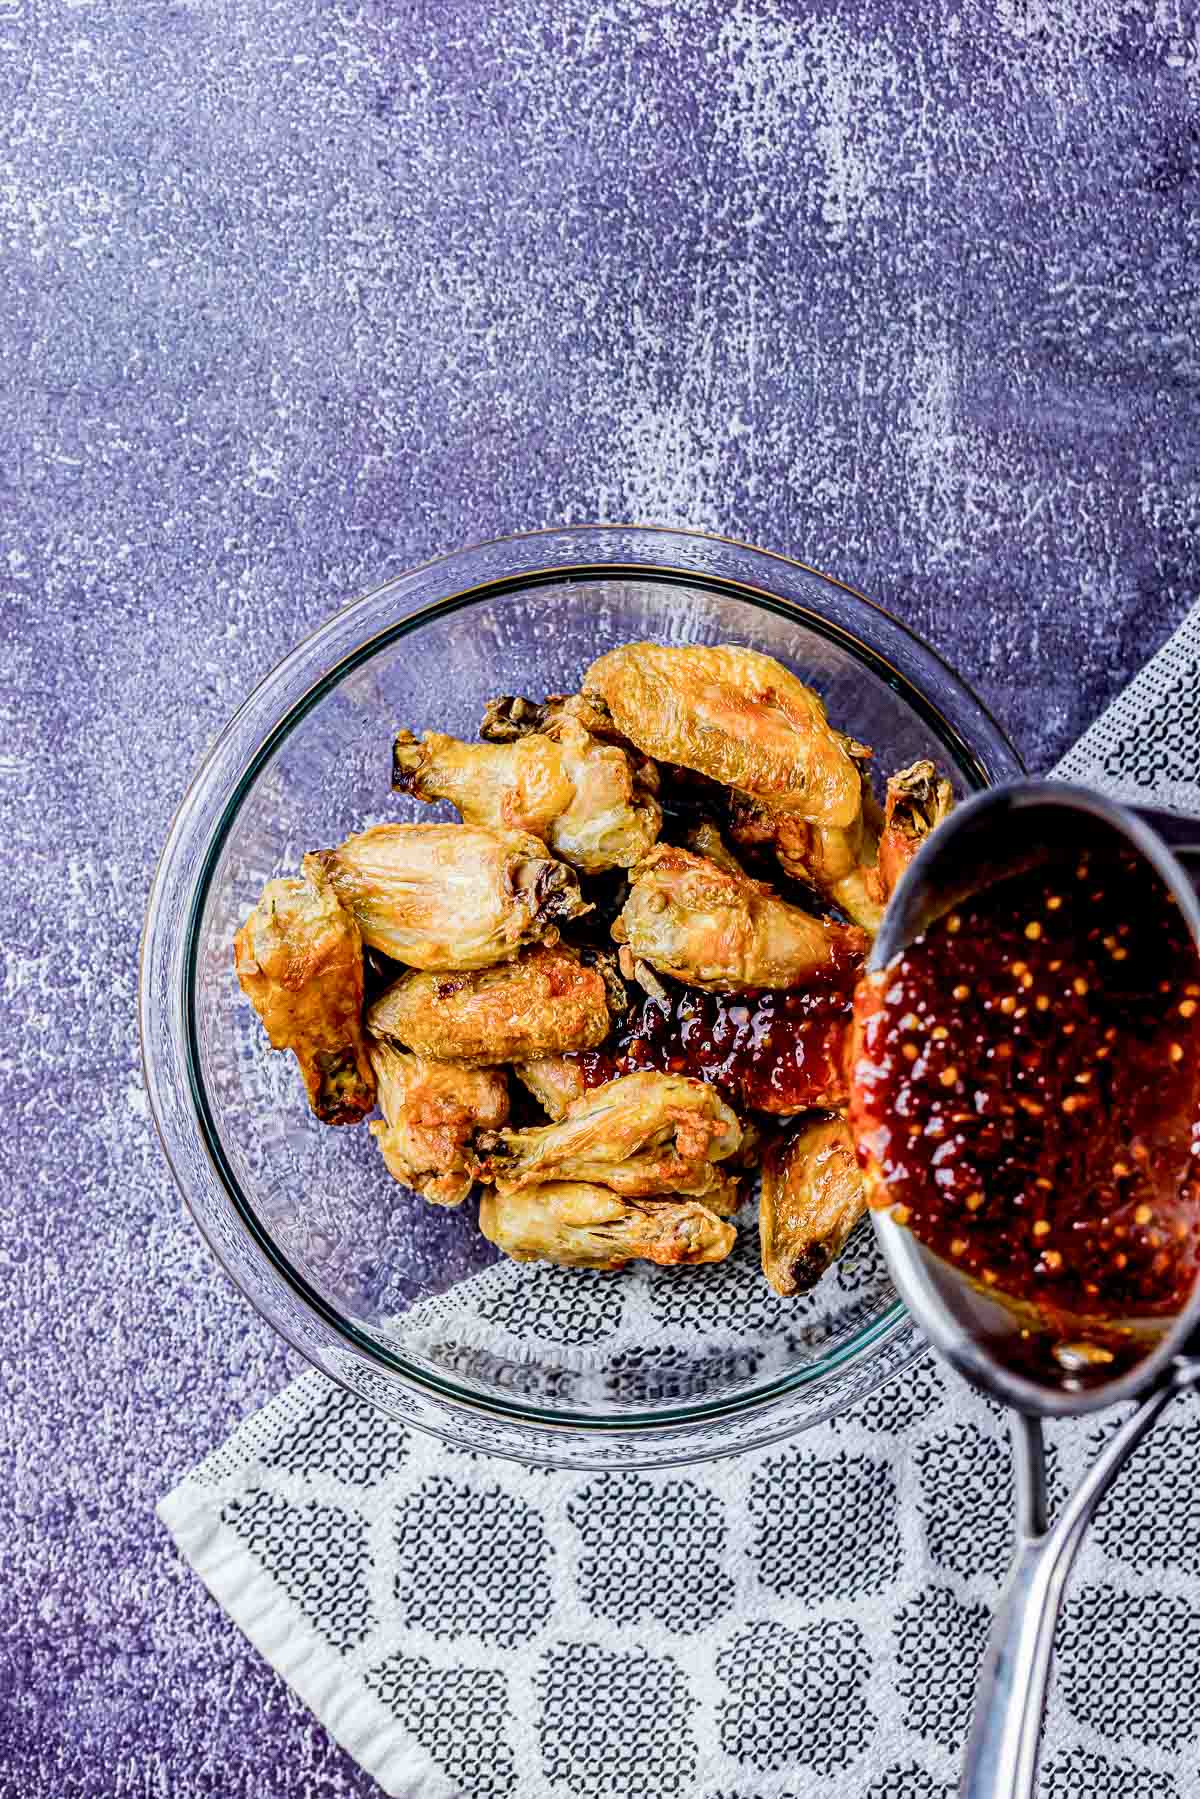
x=1026, y=1084
x=772, y=1051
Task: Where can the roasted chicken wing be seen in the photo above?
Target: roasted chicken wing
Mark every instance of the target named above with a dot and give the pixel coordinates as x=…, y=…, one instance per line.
x=585, y=1226
x=581, y=796
x=813, y=1195
x=719, y=930
x=829, y=858
x=555, y=1082
x=512, y=716
x=299, y=958
x=734, y=715
x=450, y=896
x=544, y=1002
x=432, y=1112
x=640, y=1135
x=858, y=867
x=917, y=800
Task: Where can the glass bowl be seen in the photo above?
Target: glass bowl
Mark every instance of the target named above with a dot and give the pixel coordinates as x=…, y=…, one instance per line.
x=405, y=1302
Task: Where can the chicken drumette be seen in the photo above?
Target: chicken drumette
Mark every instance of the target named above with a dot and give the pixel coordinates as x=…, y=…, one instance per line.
x=813, y=1195
x=299, y=959
x=542, y=1003
x=717, y=929
x=432, y=1114
x=586, y=799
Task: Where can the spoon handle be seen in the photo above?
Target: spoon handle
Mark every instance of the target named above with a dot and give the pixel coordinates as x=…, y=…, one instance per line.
x=1001, y=1758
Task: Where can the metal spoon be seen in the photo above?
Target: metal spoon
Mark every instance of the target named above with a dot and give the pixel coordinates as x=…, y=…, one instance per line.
x=993, y=835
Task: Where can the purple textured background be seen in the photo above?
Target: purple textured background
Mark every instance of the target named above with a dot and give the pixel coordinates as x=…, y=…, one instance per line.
x=295, y=294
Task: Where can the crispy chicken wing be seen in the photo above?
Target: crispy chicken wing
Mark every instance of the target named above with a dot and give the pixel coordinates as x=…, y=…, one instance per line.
x=834, y=859
x=857, y=868
x=722, y=931
x=512, y=716
x=581, y=796
x=450, y=896
x=734, y=715
x=812, y=1197
x=838, y=863
x=555, y=1082
x=299, y=958
x=642, y=1134
x=544, y=1002
x=917, y=800
x=432, y=1112
x=585, y=1226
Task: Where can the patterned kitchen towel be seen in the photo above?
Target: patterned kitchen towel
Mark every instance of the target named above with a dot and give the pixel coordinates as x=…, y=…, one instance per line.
x=804, y=1620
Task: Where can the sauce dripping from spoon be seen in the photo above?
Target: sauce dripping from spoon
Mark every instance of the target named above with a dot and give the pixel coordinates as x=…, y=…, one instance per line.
x=1025, y=1094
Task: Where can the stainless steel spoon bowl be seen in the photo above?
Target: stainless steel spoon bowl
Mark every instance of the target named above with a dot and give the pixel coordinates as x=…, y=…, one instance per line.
x=994, y=835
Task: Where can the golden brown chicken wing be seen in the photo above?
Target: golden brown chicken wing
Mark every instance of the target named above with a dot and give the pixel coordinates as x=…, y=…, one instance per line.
x=734, y=715
x=917, y=800
x=544, y=1002
x=512, y=716
x=723, y=931
x=639, y=1135
x=450, y=896
x=432, y=1113
x=836, y=860
x=562, y=784
x=585, y=1226
x=857, y=868
x=813, y=1195
x=299, y=958
x=555, y=1082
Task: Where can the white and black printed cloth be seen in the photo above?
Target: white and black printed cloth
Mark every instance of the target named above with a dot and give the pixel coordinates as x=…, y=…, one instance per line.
x=804, y=1620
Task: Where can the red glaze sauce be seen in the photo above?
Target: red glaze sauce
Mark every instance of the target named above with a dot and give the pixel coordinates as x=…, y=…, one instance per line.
x=1026, y=1083
x=772, y=1051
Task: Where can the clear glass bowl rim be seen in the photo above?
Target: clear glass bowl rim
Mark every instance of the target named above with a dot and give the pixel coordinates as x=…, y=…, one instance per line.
x=463, y=592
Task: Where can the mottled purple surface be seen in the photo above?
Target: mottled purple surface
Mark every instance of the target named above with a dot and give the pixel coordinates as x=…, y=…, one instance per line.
x=293, y=295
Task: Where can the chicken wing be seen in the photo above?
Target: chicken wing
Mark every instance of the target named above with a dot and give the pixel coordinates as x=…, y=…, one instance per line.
x=512, y=716
x=544, y=1002
x=917, y=800
x=432, y=1112
x=299, y=959
x=813, y=1195
x=555, y=1082
x=734, y=715
x=562, y=784
x=642, y=1134
x=835, y=860
x=856, y=868
x=450, y=896
x=722, y=931
x=585, y=1226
